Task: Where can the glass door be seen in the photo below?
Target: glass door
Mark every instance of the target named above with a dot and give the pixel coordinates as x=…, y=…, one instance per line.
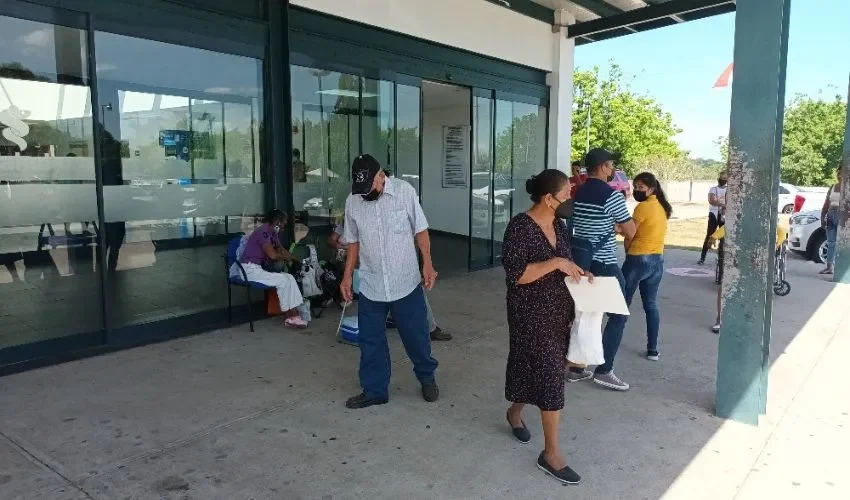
x=482, y=188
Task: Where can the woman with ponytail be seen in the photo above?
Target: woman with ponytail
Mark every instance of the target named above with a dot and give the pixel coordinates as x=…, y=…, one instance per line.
x=644, y=265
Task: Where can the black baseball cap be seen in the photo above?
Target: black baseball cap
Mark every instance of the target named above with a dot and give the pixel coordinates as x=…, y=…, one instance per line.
x=598, y=156
x=363, y=172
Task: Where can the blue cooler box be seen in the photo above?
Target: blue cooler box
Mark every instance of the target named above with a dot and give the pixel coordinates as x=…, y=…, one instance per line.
x=349, y=332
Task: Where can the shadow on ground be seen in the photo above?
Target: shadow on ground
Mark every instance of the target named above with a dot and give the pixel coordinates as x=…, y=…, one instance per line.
x=233, y=415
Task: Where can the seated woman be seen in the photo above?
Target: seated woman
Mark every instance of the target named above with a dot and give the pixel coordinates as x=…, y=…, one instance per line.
x=264, y=251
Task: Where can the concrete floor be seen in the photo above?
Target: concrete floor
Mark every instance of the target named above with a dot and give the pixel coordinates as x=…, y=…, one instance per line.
x=235, y=415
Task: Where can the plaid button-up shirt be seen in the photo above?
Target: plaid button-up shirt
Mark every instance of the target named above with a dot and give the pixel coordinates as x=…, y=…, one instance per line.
x=385, y=229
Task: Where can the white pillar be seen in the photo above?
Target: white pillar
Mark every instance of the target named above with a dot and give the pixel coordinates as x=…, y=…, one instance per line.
x=561, y=94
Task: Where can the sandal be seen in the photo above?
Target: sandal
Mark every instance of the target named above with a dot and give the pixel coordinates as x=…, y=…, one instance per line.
x=826, y=271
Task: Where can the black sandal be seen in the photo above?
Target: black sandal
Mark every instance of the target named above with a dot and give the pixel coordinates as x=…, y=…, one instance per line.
x=520, y=433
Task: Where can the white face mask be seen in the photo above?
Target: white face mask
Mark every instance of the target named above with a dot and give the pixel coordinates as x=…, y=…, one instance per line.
x=277, y=228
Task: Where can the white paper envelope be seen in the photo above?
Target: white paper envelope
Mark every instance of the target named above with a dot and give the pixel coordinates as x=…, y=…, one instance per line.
x=603, y=295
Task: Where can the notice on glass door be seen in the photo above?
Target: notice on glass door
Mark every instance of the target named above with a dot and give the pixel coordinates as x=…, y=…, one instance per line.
x=456, y=156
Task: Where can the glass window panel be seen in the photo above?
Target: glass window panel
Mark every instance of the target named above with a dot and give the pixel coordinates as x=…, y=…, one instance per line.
x=182, y=172
x=49, y=285
x=529, y=148
x=482, y=190
x=407, y=133
x=379, y=121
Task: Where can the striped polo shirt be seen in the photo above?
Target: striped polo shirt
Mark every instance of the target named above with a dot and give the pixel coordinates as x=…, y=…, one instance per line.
x=597, y=208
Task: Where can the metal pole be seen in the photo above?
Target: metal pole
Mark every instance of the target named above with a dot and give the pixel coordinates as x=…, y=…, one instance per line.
x=842, y=259
x=587, y=140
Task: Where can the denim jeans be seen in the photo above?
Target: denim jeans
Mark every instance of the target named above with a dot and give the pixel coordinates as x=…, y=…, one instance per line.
x=410, y=317
x=613, y=333
x=831, y=235
x=644, y=273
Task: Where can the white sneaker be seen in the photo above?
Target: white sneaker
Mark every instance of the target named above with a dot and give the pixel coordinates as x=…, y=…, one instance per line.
x=295, y=322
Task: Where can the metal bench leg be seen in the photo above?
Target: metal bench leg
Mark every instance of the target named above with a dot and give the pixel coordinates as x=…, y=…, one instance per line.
x=250, y=308
x=229, y=305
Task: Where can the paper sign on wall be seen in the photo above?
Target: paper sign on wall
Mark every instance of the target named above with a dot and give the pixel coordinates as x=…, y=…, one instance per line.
x=456, y=156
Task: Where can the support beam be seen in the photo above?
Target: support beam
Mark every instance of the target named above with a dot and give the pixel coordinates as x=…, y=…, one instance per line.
x=634, y=18
x=278, y=123
x=561, y=94
x=842, y=259
x=755, y=135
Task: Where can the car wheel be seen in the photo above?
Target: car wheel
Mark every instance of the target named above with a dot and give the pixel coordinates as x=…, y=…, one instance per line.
x=787, y=209
x=817, y=246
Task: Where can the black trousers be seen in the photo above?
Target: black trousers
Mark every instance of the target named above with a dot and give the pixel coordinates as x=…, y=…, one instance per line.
x=713, y=224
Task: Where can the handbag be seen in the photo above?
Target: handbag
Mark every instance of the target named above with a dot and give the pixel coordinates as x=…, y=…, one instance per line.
x=583, y=249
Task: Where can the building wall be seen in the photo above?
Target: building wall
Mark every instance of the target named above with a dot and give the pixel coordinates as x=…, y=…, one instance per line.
x=447, y=209
x=473, y=25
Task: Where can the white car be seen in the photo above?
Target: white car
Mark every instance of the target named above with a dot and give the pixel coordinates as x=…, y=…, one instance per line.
x=787, y=194
x=807, y=237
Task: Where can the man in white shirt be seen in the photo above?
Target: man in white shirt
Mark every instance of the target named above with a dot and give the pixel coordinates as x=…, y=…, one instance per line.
x=384, y=224
x=717, y=203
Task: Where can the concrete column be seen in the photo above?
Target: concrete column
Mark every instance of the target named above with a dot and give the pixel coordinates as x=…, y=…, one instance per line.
x=842, y=260
x=755, y=135
x=561, y=94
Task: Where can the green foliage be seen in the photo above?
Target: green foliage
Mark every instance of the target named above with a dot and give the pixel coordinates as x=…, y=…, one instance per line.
x=812, y=140
x=678, y=168
x=621, y=120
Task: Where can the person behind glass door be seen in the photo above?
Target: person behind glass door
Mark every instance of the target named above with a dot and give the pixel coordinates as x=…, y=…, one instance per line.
x=263, y=250
x=299, y=168
x=716, y=202
x=384, y=224
x=829, y=220
x=536, y=258
x=599, y=211
x=644, y=265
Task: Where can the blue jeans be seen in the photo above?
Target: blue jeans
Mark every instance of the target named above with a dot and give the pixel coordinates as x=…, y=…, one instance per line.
x=613, y=333
x=644, y=273
x=412, y=322
x=831, y=235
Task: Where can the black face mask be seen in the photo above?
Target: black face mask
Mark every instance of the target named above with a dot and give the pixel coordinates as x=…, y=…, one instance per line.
x=640, y=196
x=372, y=195
x=721, y=182
x=564, y=210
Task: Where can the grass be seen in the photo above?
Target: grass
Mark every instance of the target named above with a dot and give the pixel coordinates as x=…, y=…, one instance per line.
x=687, y=234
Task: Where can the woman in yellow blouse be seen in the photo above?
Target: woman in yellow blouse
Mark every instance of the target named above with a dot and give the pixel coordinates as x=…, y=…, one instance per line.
x=644, y=265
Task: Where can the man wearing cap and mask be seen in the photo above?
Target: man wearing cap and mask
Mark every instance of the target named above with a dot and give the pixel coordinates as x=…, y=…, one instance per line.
x=384, y=224
x=599, y=211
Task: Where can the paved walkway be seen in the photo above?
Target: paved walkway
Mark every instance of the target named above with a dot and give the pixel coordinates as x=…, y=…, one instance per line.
x=235, y=415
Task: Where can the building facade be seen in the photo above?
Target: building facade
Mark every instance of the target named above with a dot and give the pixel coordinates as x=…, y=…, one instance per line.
x=138, y=137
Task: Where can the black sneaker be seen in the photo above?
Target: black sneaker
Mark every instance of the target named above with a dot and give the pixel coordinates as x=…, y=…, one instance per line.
x=652, y=355
x=520, y=433
x=363, y=401
x=565, y=475
x=438, y=335
x=430, y=392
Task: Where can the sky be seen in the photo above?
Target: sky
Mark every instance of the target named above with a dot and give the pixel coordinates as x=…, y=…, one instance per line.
x=679, y=65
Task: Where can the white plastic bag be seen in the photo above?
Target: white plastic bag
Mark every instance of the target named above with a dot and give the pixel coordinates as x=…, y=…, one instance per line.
x=586, y=339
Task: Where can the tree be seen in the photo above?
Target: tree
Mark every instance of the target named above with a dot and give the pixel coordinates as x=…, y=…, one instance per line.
x=621, y=120
x=812, y=140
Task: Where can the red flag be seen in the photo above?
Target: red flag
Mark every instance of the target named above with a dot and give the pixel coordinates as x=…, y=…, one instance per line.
x=723, y=81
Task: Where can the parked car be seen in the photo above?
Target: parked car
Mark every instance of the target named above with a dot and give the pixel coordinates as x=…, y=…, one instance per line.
x=807, y=236
x=809, y=199
x=787, y=194
x=621, y=183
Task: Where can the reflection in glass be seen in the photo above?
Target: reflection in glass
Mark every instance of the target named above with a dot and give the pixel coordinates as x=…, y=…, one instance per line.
x=482, y=189
x=48, y=210
x=181, y=172
x=529, y=146
x=407, y=133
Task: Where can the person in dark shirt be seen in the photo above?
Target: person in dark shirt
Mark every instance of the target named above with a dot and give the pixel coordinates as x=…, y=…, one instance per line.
x=599, y=212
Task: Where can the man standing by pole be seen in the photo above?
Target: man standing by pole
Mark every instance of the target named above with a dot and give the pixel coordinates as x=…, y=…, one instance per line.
x=384, y=224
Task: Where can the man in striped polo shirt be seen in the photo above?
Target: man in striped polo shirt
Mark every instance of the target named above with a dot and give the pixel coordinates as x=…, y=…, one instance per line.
x=599, y=211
